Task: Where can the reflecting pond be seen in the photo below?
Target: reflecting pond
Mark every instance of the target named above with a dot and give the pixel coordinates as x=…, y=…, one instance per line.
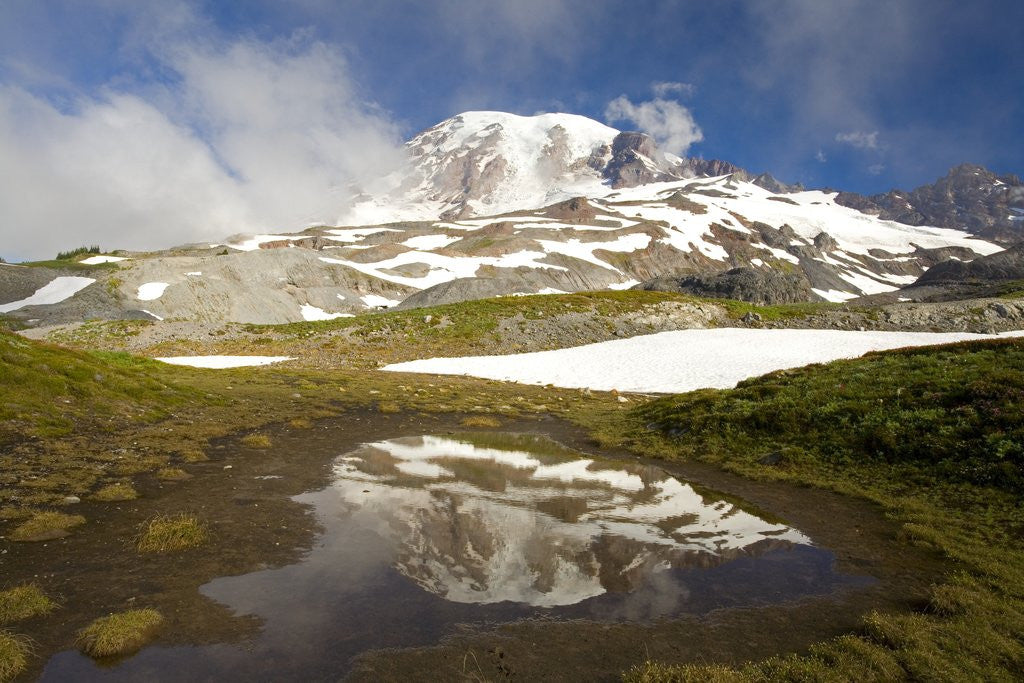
x=425, y=535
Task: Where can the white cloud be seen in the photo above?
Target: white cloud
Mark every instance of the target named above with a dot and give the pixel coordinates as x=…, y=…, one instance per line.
x=820, y=156
x=252, y=136
x=669, y=123
x=664, y=88
x=859, y=139
x=876, y=169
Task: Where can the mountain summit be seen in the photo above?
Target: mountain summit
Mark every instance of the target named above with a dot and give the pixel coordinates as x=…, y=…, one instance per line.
x=483, y=163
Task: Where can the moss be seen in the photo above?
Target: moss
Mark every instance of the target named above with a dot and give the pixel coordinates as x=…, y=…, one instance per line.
x=256, y=441
x=119, y=634
x=22, y=602
x=14, y=653
x=118, y=491
x=45, y=526
x=167, y=533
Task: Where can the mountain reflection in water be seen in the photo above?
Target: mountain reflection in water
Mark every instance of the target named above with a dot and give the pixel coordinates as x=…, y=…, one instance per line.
x=493, y=518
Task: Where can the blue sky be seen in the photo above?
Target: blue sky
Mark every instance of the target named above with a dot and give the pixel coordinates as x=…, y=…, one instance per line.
x=94, y=96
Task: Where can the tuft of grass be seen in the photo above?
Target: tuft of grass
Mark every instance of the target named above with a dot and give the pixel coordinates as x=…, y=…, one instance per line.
x=167, y=533
x=119, y=634
x=300, y=423
x=46, y=526
x=481, y=421
x=193, y=455
x=172, y=474
x=256, y=441
x=117, y=491
x=22, y=602
x=388, y=407
x=14, y=652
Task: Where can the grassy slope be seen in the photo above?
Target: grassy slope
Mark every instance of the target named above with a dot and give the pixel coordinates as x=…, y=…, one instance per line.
x=933, y=435
x=74, y=422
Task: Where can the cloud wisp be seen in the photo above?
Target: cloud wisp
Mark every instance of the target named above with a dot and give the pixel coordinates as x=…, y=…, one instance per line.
x=244, y=136
x=671, y=124
x=860, y=139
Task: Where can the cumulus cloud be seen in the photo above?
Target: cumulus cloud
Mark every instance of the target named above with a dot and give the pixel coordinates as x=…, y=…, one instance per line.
x=248, y=136
x=668, y=122
x=665, y=88
x=860, y=139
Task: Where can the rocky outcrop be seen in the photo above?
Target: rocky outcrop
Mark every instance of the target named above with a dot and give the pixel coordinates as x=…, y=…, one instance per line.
x=746, y=284
x=969, y=198
x=1005, y=265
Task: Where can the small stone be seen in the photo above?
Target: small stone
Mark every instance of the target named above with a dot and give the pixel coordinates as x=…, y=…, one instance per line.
x=623, y=399
x=71, y=500
x=751, y=317
x=227, y=467
x=773, y=458
x=427, y=318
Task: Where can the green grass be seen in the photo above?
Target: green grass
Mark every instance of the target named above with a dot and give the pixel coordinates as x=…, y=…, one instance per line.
x=22, y=602
x=952, y=414
x=168, y=533
x=934, y=436
x=14, y=653
x=119, y=634
x=44, y=526
x=36, y=377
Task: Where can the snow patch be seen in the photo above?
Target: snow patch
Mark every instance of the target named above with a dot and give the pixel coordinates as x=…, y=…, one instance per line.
x=429, y=242
x=95, y=260
x=375, y=300
x=310, y=312
x=222, y=362
x=52, y=292
x=151, y=290
x=685, y=360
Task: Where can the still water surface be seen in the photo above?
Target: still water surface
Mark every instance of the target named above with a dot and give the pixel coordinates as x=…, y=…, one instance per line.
x=425, y=535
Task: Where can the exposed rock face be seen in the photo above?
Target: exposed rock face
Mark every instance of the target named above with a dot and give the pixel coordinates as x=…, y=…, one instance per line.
x=636, y=160
x=969, y=198
x=746, y=284
x=1005, y=265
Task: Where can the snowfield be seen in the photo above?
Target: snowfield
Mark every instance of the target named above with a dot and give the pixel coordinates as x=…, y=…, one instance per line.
x=680, y=361
x=221, y=362
x=53, y=292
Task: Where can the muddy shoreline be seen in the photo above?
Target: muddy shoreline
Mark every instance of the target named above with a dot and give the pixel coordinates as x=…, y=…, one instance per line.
x=245, y=496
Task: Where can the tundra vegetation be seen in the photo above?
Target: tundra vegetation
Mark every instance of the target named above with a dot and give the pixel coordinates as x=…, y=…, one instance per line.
x=934, y=436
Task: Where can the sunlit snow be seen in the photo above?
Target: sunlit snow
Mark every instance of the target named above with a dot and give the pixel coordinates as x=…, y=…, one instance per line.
x=151, y=290
x=52, y=292
x=222, y=362
x=684, y=360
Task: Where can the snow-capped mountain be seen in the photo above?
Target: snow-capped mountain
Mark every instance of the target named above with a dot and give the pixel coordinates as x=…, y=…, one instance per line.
x=496, y=204
x=483, y=163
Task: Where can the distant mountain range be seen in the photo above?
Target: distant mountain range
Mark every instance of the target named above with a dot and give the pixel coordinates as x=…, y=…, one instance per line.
x=497, y=204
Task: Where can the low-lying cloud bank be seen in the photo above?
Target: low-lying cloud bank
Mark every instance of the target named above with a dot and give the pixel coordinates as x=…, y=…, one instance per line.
x=244, y=136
